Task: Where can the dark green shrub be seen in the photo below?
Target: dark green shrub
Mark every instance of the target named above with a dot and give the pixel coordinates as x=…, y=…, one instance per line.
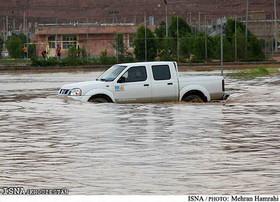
x=105, y=59
x=43, y=62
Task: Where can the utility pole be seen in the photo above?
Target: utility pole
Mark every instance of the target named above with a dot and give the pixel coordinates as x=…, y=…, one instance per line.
x=246, y=29
x=14, y=25
x=166, y=18
x=272, y=49
x=7, y=26
x=146, y=54
x=205, y=38
x=276, y=30
x=177, y=39
x=23, y=27
x=114, y=12
x=56, y=31
x=222, y=51
x=235, y=38
x=87, y=38
x=198, y=20
x=4, y=30
x=265, y=52
x=117, y=35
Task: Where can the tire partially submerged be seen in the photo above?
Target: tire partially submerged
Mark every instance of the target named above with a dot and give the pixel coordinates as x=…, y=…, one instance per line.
x=193, y=98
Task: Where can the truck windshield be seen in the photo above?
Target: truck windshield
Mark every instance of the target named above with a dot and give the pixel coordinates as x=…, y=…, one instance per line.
x=111, y=73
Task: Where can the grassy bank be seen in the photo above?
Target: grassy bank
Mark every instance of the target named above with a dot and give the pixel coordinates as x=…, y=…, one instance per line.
x=253, y=73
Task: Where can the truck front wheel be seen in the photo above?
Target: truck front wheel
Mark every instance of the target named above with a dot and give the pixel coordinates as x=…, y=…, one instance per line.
x=98, y=100
x=193, y=98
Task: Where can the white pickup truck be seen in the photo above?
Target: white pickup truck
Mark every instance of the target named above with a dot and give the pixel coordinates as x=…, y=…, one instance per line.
x=146, y=82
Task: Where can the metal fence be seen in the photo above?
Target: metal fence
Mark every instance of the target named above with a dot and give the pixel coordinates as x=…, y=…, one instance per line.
x=262, y=26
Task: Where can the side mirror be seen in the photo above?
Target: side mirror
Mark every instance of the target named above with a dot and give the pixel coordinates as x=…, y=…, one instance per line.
x=121, y=80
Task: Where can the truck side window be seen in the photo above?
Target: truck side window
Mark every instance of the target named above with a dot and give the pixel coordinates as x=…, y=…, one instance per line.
x=135, y=74
x=161, y=72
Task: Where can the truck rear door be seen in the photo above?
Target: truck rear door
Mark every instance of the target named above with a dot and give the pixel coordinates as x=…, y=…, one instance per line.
x=164, y=83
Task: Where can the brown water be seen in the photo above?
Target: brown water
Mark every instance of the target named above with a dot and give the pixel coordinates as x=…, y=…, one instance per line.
x=214, y=148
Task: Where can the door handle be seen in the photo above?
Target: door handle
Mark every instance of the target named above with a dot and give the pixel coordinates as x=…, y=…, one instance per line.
x=170, y=84
x=146, y=84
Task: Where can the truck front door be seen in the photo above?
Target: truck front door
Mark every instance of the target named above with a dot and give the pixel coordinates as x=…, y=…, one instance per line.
x=133, y=86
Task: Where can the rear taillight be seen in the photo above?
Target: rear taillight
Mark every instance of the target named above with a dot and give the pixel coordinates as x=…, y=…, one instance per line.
x=223, y=85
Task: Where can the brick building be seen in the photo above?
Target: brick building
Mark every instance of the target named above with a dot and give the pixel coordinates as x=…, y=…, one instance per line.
x=95, y=38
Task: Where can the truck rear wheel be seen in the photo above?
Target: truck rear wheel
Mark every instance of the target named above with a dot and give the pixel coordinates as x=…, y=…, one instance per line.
x=193, y=98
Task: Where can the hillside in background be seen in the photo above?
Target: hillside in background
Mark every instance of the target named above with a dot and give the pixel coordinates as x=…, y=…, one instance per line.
x=43, y=11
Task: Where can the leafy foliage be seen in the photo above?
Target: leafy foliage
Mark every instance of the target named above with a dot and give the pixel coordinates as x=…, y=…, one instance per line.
x=106, y=59
x=254, y=48
x=139, y=44
x=161, y=30
x=183, y=27
x=43, y=63
x=15, y=44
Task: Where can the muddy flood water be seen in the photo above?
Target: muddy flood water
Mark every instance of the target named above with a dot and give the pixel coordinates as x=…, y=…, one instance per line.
x=47, y=142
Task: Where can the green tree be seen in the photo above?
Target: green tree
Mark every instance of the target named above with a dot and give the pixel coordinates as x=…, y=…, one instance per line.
x=30, y=47
x=119, y=46
x=186, y=45
x=161, y=30
x=254, y=50
x=15, y=47
x=83, y=52
x=184, y=34
x=15, y=44
x=139, y=43
x=213, y=47
x=73, y=52
x=183, y=27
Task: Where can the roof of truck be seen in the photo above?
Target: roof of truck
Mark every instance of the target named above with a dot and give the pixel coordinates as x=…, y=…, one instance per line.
x=154, y=62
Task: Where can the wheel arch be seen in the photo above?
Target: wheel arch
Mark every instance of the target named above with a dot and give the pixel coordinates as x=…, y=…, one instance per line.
x=101, y=94
x=196, y=90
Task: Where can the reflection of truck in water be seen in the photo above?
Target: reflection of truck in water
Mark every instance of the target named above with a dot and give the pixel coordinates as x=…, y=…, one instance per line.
x=147, y=82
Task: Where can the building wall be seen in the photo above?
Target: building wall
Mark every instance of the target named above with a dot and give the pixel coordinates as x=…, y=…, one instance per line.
x=94, y=39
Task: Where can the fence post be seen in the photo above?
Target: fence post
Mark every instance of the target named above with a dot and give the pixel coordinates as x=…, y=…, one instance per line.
x=27, y=28
x=222, y=56
x=177, y=39
x=235, y=38
x=87, y=39
x=205, y=38
x=145, y=37
x=199, y=20
x=56, y=32
x=246, y=29
x=117, y=39
x=265, y=37
x=276, y=30
x=272, y=48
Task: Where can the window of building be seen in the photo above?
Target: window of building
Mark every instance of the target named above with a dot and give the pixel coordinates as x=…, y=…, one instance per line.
x=161, y=72
x=68, y=41
x=51, y=40
x=131, y=38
